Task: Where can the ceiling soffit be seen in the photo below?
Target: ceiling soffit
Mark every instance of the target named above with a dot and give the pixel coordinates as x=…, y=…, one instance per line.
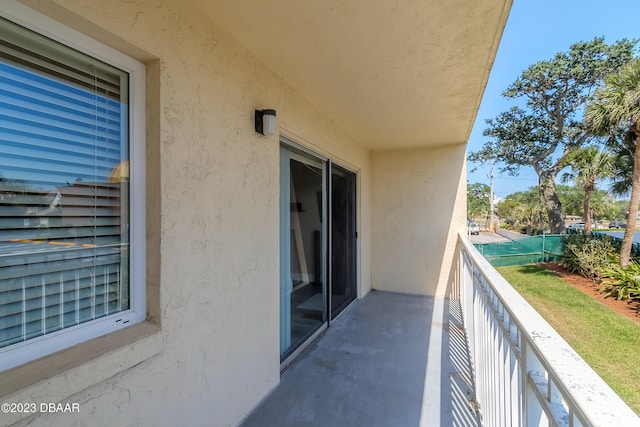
x=391, y=74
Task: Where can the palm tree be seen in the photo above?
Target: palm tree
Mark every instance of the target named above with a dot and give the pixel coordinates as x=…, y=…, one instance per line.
x=588, y=165
x=623, y=147
x=614, y=107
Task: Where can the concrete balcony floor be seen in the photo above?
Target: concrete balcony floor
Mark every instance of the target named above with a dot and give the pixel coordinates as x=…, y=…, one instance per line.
x=391, y=360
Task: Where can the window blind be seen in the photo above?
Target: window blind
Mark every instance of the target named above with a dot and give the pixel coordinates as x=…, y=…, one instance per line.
x=64, y=190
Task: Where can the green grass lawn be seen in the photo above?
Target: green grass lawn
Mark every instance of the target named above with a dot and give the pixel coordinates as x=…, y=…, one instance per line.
x=606, y=340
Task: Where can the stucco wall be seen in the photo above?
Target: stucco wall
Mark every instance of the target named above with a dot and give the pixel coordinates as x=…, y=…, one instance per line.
x=418, y=207
x=215, y=205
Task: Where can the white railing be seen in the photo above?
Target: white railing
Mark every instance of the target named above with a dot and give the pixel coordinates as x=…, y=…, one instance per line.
x=525, y=373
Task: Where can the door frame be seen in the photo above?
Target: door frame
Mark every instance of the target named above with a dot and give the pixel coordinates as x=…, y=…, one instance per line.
x=285, y=267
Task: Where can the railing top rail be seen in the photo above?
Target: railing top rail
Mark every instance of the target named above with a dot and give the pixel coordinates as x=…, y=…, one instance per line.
x=583, y=389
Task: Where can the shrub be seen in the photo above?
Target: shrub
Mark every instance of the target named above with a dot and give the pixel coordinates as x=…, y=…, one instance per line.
x=623, y=283
x=588, y=256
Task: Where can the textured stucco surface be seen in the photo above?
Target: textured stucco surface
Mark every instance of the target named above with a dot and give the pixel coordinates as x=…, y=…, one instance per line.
x=418, y=208
x=213, y=219
x=395, y=74
x=217, y=188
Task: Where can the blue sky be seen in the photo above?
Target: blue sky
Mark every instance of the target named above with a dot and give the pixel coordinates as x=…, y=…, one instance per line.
x=537, y=30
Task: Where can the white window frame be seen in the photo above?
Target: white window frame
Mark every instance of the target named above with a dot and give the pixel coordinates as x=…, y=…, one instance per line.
x=41, y=346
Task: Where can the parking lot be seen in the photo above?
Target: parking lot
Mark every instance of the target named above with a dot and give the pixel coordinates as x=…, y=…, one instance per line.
x=487, y=237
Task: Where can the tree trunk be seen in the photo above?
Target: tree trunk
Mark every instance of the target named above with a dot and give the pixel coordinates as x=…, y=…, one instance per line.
x=551, y=202
x=587, y=212
x=627, y=240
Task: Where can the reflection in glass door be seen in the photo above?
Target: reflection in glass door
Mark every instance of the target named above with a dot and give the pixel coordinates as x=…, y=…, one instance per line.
x=303, y=236
x=318, y=258
x=343, y=239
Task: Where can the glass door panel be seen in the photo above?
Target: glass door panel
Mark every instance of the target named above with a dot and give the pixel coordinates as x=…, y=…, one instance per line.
x=303, y=306
x=343, y=239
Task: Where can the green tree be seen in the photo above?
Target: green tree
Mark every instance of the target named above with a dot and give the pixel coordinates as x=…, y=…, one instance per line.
x=514, y=214
x=621, y=210
x=588, y=165
x=616, y=107
x=602, y=204
x=623, y=146
x=522, y=210
x=478, y=199
x=572, y=199
x=547, y=126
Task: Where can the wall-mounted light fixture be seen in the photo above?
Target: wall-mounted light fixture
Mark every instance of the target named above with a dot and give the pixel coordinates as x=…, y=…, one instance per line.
x=265, y=122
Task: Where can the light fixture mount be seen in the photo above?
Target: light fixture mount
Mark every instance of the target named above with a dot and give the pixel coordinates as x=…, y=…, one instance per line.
x=265, y=121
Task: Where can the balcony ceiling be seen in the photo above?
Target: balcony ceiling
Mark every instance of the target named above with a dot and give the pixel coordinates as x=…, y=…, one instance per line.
x=393, y=74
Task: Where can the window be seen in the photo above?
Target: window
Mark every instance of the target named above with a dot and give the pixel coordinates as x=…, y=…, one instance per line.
x=71, y=189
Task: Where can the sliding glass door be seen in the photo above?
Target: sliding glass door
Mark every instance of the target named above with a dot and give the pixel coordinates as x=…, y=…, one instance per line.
x=343, y=239
x=303, y=238
x=317, y=244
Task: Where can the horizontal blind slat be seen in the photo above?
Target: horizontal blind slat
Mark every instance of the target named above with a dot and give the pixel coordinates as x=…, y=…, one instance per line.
x=78, y=102
x=75, y=72
x=64, y=251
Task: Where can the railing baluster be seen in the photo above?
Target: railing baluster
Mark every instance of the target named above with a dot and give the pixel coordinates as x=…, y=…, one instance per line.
x=525, y=373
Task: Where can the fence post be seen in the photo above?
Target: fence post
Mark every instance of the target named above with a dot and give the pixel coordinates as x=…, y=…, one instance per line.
x=543, y=237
